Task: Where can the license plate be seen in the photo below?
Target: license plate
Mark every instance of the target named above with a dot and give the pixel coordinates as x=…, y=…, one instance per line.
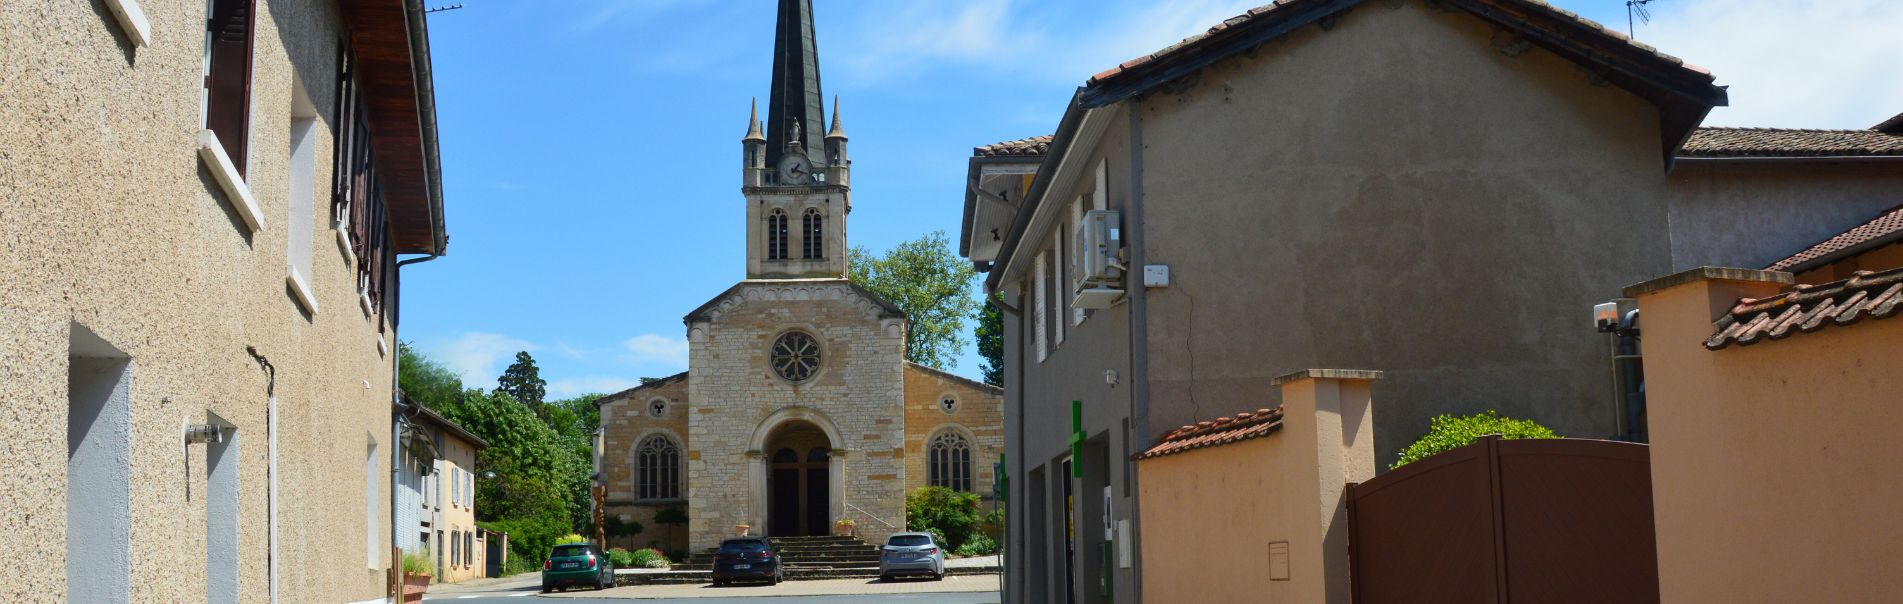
x=910, y=556
x=571, y=565
x=742, y=566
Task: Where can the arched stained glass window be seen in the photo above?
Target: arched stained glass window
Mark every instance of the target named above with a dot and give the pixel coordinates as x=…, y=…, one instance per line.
x=812, y=231
x=948, y=462
x=776, y=235
x=658, y=468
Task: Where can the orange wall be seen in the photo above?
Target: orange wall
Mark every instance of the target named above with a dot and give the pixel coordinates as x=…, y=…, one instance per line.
x=1774, y=466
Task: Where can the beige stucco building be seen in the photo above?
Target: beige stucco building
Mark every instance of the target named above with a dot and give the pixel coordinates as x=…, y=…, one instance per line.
x=197, y=323
x=798, y=408
x=436, y=493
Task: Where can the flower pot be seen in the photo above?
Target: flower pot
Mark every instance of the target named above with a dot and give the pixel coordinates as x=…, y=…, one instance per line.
x=413, y=587
x=742, y=530
x=843, y=530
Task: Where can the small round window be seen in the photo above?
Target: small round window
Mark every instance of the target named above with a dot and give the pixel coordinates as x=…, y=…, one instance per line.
x=948, y=404
x=657, y=408
x=796, y=356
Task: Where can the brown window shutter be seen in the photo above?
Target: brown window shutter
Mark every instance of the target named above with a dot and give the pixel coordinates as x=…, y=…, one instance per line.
x=227, y=107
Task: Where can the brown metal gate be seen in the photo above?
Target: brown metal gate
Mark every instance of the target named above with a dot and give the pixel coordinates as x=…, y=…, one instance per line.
x=1502, y=521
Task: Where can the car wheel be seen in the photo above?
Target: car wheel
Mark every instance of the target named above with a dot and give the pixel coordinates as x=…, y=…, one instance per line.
x=939, y=576
x=546, y=589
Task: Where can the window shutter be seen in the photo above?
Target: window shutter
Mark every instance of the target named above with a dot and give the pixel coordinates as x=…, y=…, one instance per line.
x=228, y=94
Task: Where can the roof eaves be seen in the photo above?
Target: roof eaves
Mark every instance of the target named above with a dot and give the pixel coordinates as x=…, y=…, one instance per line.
x=955, y=377
x=1060, y=147
x=604, y=399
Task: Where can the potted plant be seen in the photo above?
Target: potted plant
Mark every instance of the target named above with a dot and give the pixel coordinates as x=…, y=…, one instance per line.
x=416, y=575
x=843, y=527
x=741, y=530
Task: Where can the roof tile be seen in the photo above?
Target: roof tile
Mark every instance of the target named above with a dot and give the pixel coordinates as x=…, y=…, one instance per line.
x=1810, y=308
x=1223, y=430
x=1885, y=227
x=1029, y=147
x=1785, y=142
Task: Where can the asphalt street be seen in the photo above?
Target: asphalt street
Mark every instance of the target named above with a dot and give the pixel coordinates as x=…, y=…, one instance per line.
x=525, y=590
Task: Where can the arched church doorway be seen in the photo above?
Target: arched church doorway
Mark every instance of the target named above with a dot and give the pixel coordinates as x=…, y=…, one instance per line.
x=799, y=460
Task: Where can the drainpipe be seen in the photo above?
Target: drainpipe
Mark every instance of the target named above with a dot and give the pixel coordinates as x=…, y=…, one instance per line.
x=271, y=470
x=1139, y=345
x=1630, y=365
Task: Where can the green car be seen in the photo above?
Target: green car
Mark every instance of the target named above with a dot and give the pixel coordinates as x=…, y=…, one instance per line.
x=575, y=564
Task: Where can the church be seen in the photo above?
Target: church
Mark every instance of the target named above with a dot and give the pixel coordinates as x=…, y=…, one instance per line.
x=798, y=408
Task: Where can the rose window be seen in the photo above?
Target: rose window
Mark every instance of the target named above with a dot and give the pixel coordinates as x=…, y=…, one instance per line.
x=796, y=356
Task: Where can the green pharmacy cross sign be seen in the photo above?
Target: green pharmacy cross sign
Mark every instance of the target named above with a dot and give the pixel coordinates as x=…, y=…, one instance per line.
x=1077, y=439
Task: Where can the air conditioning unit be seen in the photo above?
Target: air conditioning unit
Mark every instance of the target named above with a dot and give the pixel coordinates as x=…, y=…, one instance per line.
x=1100, y=262
x=1103, y=245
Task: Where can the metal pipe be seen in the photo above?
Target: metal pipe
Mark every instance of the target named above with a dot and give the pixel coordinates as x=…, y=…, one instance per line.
x=426, y=118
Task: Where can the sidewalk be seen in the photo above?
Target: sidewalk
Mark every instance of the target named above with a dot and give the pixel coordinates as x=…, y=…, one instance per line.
x=827, y=587
x=529, y=581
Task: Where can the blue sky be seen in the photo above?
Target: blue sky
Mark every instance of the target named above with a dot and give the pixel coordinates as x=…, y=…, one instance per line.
x=591, y=149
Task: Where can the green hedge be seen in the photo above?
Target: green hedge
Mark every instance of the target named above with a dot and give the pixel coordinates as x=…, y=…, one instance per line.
x=1446, y=433
x=950, y=516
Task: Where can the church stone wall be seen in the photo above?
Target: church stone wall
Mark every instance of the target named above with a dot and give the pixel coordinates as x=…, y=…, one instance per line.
x=857, y=396
x=977, y=416
x=626, y=421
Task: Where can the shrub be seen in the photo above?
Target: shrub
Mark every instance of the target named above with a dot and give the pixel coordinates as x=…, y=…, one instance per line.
x=671, y=515
x=621, y=558
x=614, y=527
x=647, y=558
x=949, y=515
x=1446, y=433
x=530, y=539
x=570, y=538
x=978, y=545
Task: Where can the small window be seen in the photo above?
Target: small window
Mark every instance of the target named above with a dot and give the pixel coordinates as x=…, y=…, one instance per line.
x=657, y=408
x=301, y=219
x=812, y=229
x=776, y=235
x=909, y=540
x=795, y=356
x=227, y=96
x=948, y=404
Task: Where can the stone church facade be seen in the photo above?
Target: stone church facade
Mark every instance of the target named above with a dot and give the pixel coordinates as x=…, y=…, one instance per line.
x=798, y=408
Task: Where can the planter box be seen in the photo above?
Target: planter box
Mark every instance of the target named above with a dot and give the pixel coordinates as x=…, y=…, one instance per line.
x=414, y=586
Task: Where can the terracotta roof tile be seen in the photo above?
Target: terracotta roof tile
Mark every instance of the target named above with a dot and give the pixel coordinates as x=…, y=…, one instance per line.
x=1784, y=142
x=1221, y=431
x=1024, y=147
x=1808, y=308
x=1887, y=227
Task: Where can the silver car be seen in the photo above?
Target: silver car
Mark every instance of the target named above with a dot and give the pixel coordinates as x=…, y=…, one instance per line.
x=911, y=554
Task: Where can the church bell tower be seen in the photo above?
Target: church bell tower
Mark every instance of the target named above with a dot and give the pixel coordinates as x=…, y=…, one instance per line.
x=796, y=176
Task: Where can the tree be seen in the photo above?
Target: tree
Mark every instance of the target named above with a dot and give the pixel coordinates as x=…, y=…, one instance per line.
x=425, y=380
x=990, y=335
x=926, y=279
x=524, y=382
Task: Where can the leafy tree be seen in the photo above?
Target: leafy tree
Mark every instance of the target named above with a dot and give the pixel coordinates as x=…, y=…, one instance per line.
x=950, y=516
x=1446, y=433
x=990, y=335
x=928, y=281
x=425, y=380
x=523, y=380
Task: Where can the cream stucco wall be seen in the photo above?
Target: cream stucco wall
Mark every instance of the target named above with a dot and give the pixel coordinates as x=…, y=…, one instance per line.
x=109, y=221
x=1774, y=464
x=1210, y=515
x=458, y=517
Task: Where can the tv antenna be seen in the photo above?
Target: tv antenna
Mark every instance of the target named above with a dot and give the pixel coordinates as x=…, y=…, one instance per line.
x=457, y=6
x=1633, y=8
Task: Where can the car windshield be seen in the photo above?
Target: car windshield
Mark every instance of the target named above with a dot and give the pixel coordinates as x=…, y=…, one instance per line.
x=569, y=551
x=909, y=540
x=743, y=546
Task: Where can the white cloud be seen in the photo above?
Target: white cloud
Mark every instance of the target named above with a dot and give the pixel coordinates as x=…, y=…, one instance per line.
x=658, y=351
x=479, y=356
x=1790, y=63
x=592, y=384
x=1030, y=39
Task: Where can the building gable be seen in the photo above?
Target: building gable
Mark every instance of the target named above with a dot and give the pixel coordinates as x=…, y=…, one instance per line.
x=737, y=296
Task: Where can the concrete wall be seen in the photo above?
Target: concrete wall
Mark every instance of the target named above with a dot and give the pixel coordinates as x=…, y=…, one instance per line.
x=1249, y=498
x=1753, y=213
x=1397, y=193
x=111, y=223
x=857, y=396
x=1772, y=464
x=628, y=422
x=976, y=417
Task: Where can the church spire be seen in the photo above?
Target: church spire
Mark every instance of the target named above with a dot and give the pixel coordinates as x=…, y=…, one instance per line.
x=796, y=95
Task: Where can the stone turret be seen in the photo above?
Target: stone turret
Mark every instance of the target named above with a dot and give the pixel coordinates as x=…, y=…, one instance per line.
x=753, y=147
x=838, y=165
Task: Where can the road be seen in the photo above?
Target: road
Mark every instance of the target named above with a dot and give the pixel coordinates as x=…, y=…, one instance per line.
x=980, y=589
